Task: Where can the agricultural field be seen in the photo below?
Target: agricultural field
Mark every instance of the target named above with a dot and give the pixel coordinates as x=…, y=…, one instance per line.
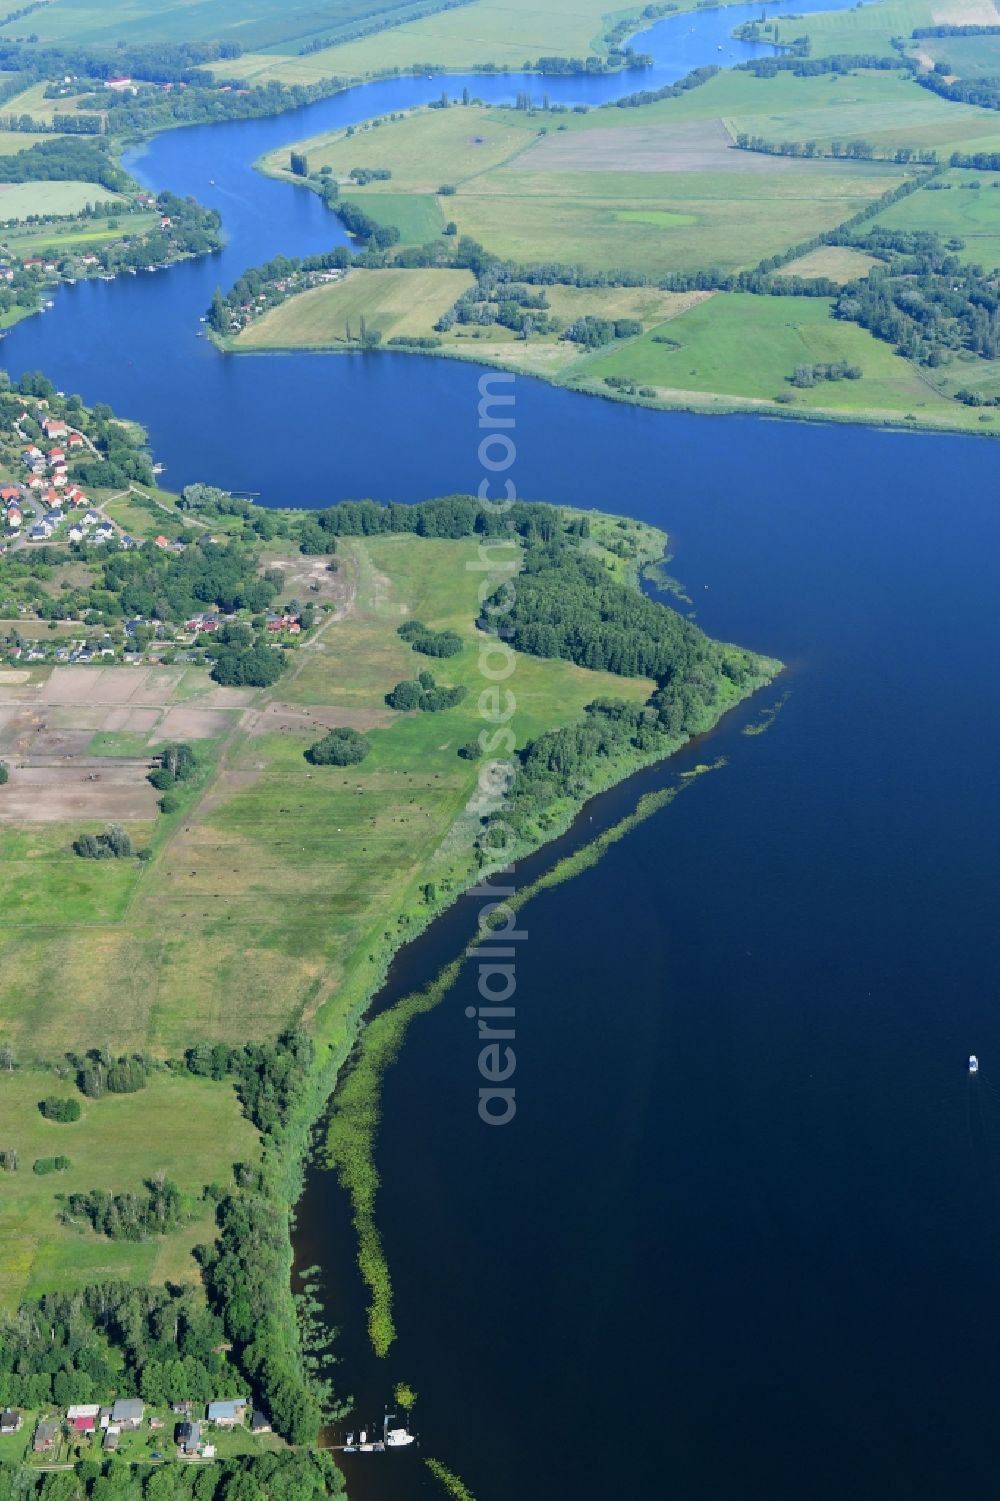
x=838, y=262
x=34, y=103
x=736, y=349
x=251, y=23
x=279, y=888
x=190, y=1129
x=966, y=207
x=963, y=56
x=505, y=32
x=58, y=238
x=19, y=199
x=409, y=302
x=634, y=190
x=395, y=302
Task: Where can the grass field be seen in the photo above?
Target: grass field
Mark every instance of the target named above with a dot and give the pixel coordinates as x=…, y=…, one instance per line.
x=958, y=210
x=34, y=239
x=252, y=23
x=32, y=101
x=964, y=56
x=839, y=262
x=742, y=347
x=19, y=199
x=191, y=1129
x=507, y=32
x=633, y=192
x=278, y=893
x=395, y=302
x=417, y=216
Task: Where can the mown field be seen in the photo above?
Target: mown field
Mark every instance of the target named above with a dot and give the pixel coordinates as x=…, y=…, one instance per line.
x=19, y=199
x=735, y=347
x=32, y=239
x=190, y=1129
x=628, y=190
x=394, y=302
x=277, y=892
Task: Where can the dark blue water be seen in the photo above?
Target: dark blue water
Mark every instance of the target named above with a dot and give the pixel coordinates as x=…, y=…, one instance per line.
x=742, y=1239
x=134, y=342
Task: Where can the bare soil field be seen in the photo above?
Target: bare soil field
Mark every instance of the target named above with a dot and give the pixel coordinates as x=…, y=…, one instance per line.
x=285, y=718
x=116, y=792
x=48, y=724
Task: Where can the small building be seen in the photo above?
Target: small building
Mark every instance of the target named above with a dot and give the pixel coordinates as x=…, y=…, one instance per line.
x=189, y=1437
x=111, y=1437
x=128, y=1412
x=55, y=427
x=83, y=1410
x=259, y=1422
x=229, y=1413
x=83, y=1425
x=14, y=517
x=75, y=440
x=120, y=83
x=45, y=1435
x=11, y=1419
x=10, y=492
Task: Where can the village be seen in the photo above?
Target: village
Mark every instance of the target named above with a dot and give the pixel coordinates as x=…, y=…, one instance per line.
x=136, y=1431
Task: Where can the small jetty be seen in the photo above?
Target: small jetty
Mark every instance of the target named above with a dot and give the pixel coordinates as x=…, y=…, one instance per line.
x=364, y=1441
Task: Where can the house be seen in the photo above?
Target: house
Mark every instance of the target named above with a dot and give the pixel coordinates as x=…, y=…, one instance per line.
x=56, y=455
x=162, y=541
x=84, y=1425
x=105, y=1417
x=111, y=1439
x=128, y=1412
x=45, y=1435
x=53, y=517
x=31, y=454
x=76, y=534
x=259, y=1423
x=91, y=518
x=229, y=1413
x=40, y=532
x=188, y=1437
x=11, y=1419
x=120, y=82
x=83, y=1410
x=75, y=440
x=55, y=427
x=10, y=492
x=14, y=518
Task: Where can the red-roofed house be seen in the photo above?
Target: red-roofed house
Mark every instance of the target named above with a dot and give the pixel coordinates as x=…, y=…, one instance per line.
x=54, y=427
x=162, y=541
x=10, y=492
x=55, y=455
x=84, y=1425
x=75, y=440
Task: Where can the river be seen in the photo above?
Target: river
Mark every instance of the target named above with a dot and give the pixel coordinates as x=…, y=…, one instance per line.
x=741, y=1240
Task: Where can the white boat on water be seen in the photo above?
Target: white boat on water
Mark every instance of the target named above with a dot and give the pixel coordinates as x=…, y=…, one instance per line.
x=397, y=1438
x=973, y=1064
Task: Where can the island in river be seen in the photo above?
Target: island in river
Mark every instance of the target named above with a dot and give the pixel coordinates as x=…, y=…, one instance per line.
x=247, y=755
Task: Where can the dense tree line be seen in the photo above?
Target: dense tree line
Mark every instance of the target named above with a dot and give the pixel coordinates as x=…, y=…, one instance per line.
x=283, y=1476
x=984, y=92
x=567, y=605
x=114, y=1339
x=62, y=160
x=953, y=30
x=127, y=1216
x=924, y=300
x=593, y=332
x=173, y=586
x=692, y=80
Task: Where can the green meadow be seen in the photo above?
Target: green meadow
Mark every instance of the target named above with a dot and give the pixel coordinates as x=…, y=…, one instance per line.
x=190, y=1129
x=280, y=888
x=738, y=349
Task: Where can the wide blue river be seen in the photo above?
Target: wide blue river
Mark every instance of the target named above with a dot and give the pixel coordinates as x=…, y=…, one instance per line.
x=742, y=1239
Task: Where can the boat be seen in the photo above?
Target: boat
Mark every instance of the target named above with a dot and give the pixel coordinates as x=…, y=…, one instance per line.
x=973, y=1064
x=397, y=1438
x=363, y=1437
x=349, y=1444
